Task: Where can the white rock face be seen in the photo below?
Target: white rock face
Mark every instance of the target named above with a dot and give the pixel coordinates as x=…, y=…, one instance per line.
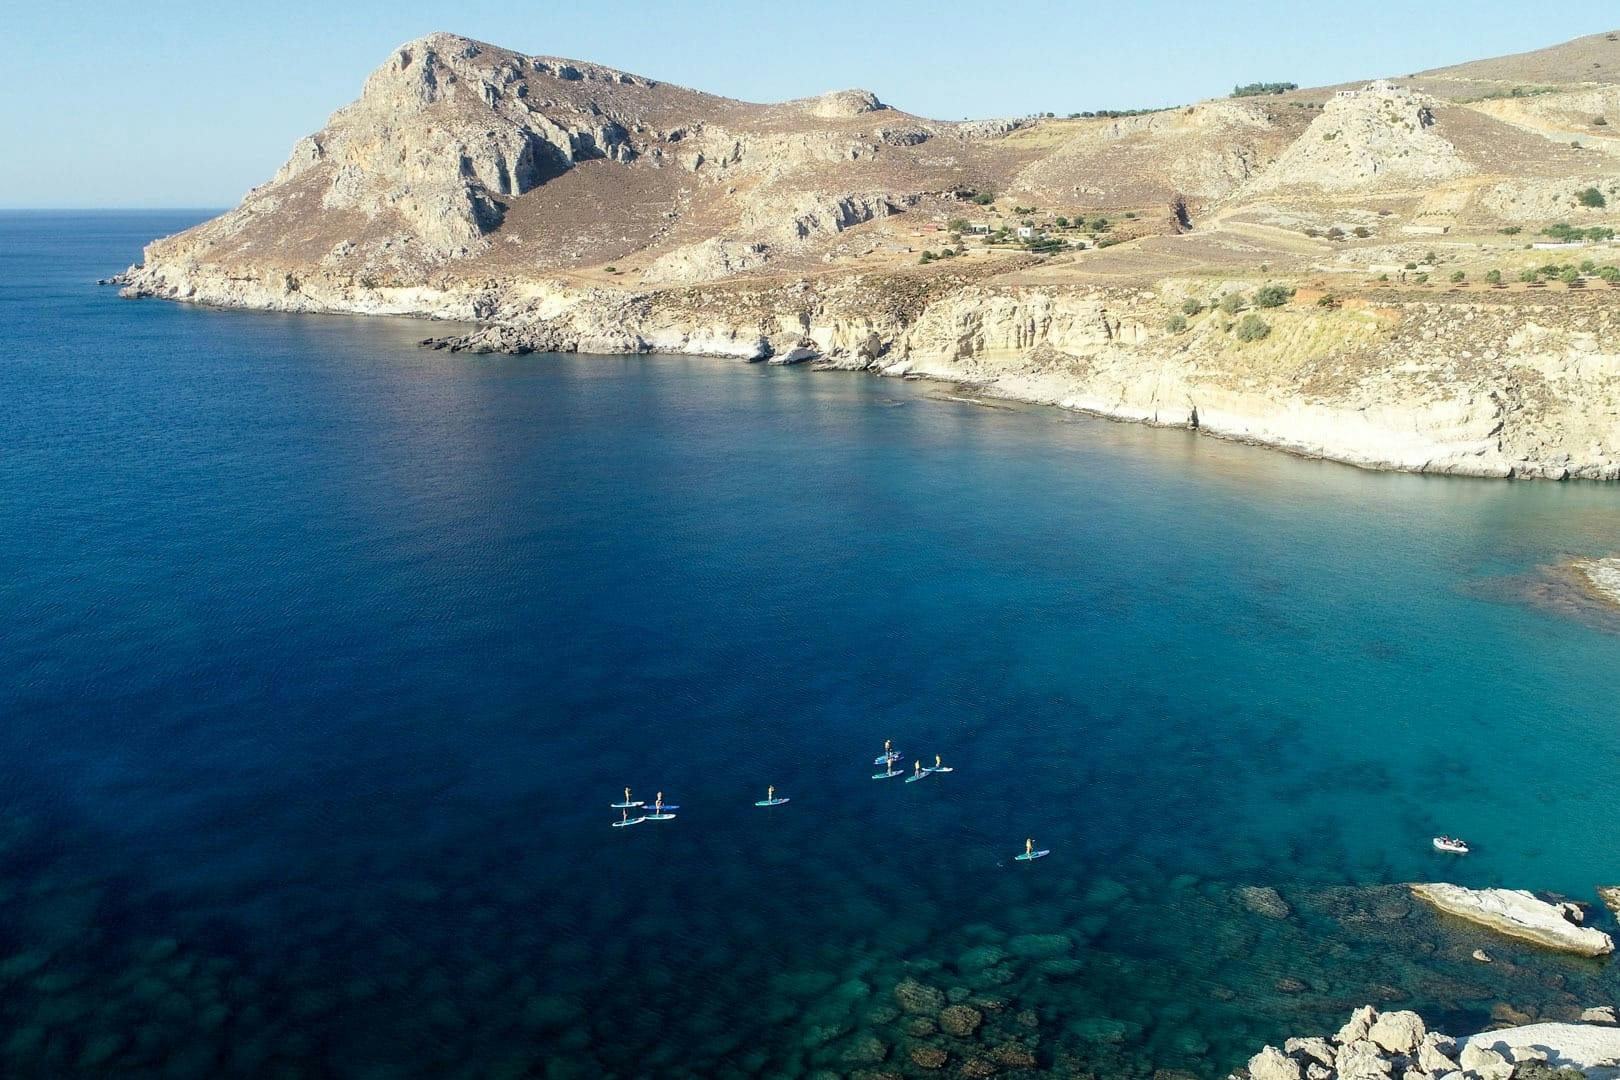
x=1273, y=1064
x=1398, y=1032
x=1363, y=1060
x=1583, y=1046
x=707, y=260
x=1356, y=1028
x=1518, y=914
x=1434, y=1055
x=1484, y=1062
x=1381, y=135
x=1427, y=1055
x=842, y=103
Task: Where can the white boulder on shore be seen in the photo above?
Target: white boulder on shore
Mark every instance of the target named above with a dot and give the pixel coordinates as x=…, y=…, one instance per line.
x=1519, y=914
x=1592, y=1048
x=1384, y=1046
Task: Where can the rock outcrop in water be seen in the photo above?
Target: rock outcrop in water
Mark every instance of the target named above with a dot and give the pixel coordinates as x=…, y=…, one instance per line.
x=563, y=205
x=1602, y=580
x=1519, y=914
x=1398, y=1046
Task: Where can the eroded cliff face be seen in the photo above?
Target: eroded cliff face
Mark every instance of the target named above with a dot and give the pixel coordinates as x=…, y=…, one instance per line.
x=1483, y=388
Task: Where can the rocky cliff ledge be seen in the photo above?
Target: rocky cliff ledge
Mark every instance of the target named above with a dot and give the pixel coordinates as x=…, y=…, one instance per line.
x=1374, y=1046
x=1502, y=389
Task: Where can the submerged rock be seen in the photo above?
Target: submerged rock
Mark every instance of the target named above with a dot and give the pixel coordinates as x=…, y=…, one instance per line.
x=914, y=997
x=960, y=1020
x=1519, y=914
x=1040, y=946
x=1263, y=900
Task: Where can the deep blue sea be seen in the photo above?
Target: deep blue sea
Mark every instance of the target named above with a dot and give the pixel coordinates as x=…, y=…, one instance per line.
x=322, y=657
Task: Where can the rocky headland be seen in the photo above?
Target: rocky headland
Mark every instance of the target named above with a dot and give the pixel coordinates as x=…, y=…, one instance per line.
x=1334, y=272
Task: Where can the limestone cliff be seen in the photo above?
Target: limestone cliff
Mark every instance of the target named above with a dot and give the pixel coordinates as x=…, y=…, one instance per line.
x=1174, y=267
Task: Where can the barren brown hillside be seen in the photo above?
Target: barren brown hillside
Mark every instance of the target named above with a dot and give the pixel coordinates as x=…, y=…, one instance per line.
x=568, y=205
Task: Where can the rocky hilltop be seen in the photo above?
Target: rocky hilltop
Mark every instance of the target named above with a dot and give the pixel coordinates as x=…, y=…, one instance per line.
x=1348, y=272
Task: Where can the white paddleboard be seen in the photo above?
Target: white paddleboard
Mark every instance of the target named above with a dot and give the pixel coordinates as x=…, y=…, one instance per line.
x=887, y=775
x=628, y=821
x=659, y=817
x=940, y=768
x=770, y=802
x=914, y=777
x=1031, y=856
x=626, y=805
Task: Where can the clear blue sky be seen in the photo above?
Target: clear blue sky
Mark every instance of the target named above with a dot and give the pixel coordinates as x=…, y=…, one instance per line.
x=190, y=104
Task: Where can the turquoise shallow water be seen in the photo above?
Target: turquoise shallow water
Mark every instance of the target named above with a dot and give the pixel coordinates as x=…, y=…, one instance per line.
x=324, y=656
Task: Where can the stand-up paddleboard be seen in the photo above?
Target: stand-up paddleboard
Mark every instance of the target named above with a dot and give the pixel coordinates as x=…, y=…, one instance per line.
x=1031, y=856
x=771, y=802
x=655, y=808
x=892, y=755
x=887, y=775
x=658, y=817
x=628, y=821
x=626, y=805
x=939, y=768
x=914, y=777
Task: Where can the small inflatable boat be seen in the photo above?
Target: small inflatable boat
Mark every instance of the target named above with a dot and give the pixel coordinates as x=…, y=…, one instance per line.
x=1451, y=844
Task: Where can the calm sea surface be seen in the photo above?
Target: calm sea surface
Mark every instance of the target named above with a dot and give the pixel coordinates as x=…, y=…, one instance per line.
x=322, y=658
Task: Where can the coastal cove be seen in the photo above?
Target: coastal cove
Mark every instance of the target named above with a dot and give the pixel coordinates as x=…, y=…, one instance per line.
x=327, y=654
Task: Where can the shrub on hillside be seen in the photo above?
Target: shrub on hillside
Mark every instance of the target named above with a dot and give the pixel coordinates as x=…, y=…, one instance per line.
x=1232, y=303
x=1494, y=277
x=1252, y=328
x=1591, y=197
x=1176, y=323
x=1192, y=306
x=1270, y=296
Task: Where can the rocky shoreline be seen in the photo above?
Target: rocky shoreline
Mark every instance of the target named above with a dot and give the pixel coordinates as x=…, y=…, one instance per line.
x=1398, y=1046
x=1094, y=349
